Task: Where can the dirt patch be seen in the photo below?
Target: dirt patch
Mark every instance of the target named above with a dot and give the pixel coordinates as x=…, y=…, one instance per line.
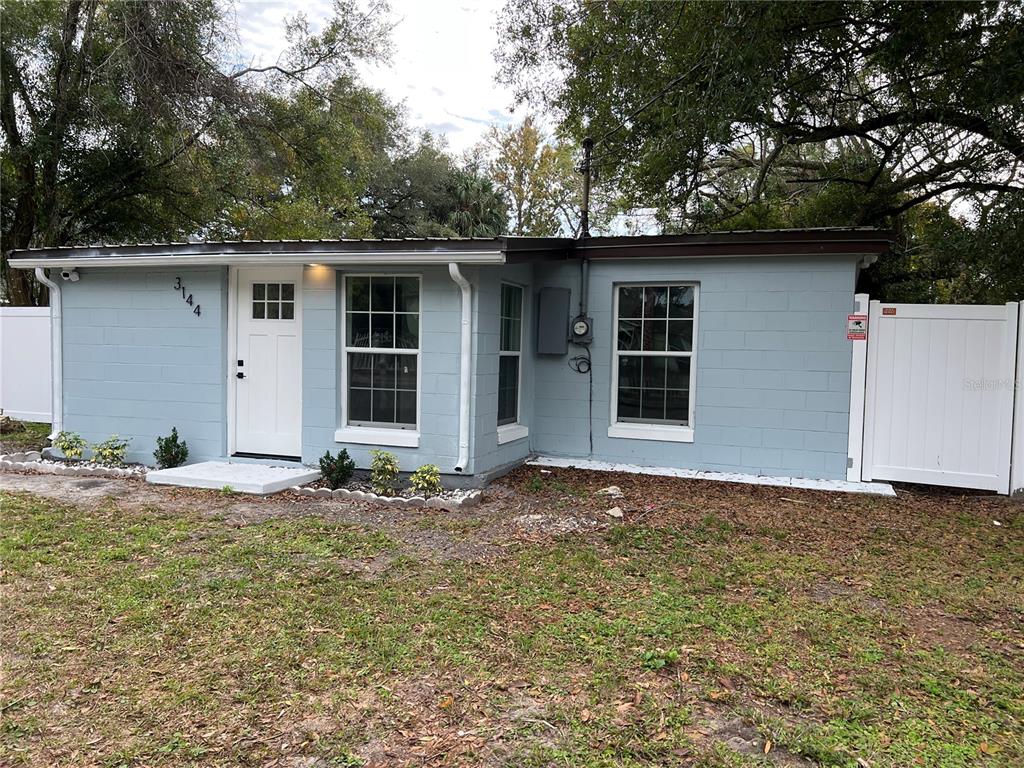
x=828, y=591
x=741, y=737
x=86, y=492
x=440, y=545
x=939, y=629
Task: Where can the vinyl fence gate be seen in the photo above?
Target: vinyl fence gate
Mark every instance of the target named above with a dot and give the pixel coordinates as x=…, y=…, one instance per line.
x=939, y=391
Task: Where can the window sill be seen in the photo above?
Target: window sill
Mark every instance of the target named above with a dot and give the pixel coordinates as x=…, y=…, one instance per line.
x=400, y=438
x=662, y=432
x=509, y=432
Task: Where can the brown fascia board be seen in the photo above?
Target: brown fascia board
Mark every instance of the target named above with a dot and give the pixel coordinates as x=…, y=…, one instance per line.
x=804, y=242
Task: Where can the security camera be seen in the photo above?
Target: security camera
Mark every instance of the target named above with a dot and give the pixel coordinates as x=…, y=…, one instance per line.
x=70, y=274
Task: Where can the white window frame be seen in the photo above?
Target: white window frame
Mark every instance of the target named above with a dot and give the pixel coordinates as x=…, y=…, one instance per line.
x=514, y=430
x=635, y=430
x=402, y=436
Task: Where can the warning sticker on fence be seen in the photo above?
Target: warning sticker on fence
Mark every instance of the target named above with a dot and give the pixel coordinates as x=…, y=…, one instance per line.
x=857, y=327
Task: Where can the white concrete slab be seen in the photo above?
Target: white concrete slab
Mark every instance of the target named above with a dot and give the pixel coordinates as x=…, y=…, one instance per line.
x=844, y=486
x=242, y=477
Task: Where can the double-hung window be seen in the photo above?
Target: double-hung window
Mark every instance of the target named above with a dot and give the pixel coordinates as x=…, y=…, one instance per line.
x=382, y=346
x=510, y=346
x=653, y=362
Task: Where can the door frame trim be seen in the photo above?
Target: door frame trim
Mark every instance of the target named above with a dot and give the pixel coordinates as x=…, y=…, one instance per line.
x=232, y=344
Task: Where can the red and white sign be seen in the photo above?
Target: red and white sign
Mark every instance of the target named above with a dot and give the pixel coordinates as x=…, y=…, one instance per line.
x=857, y=327
x=888, y=310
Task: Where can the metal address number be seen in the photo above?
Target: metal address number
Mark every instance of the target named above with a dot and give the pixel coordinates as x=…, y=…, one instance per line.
x=187, y=297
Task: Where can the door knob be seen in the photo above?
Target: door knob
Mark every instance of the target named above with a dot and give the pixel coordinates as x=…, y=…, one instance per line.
x=239, y=375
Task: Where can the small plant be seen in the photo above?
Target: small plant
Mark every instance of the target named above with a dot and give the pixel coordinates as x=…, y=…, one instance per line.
x=226, y=490
x=383, y=472
x=170, y=451
x=426, y=480
x=658, y=659
x=111, y=451
x=338, y=470
x=71, y=444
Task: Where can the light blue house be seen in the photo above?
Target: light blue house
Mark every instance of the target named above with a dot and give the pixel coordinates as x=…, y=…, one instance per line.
x=723, y=352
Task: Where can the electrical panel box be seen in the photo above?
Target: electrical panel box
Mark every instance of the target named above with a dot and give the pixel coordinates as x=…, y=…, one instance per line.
x=552, y=321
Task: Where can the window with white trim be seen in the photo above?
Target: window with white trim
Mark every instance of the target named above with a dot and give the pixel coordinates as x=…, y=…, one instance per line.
x=382, y=349
x=653, y=356
x=509, y=353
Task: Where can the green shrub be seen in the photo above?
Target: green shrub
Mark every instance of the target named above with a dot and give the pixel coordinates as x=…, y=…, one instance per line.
x=71, y=444
x=426, y=480
x=111, y=451
x=337, y=471
x=383, y=472
x=170, y=451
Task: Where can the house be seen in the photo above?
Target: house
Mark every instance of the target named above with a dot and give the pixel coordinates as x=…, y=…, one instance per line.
x=723, y=352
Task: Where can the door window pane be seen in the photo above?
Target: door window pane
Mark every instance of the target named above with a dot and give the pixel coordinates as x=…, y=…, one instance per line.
x=273, y=301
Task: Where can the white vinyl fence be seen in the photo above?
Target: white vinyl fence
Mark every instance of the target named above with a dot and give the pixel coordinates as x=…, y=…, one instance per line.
x=25, y=362
x=941, y=387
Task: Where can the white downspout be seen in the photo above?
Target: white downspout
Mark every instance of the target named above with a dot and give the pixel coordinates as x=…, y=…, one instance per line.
x=465, y=364
x=56, y=353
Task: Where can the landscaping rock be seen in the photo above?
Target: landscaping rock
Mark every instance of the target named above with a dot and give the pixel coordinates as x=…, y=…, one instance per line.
x=341, y=493
x=416, y=501
x=612, y=491
x=615, y=512
x=323, y=493
x=436, y=503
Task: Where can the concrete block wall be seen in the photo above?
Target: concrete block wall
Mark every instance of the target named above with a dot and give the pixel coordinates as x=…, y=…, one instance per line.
x=138, y=361
x=487, y=454
x=772, y=384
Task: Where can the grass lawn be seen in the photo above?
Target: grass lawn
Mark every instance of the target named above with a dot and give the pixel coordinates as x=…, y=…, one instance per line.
x=716, y=625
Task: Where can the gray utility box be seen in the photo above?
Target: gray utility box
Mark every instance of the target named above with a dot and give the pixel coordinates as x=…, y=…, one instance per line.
x=552, y=321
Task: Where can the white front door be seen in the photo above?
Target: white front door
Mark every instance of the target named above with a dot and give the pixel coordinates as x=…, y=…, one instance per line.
x=268, y=364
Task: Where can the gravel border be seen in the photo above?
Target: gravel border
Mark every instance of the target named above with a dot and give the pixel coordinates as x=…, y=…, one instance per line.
x=471, y=499
x=32, y=461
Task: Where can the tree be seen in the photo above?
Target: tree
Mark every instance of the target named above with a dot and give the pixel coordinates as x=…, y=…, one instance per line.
x=121, y=120
x=479, y=209
x=725, y=114
x=538, y=177
x=419, y=191
x=925, y=96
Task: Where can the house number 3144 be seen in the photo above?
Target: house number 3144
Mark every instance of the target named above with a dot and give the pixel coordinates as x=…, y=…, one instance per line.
x=187, y=297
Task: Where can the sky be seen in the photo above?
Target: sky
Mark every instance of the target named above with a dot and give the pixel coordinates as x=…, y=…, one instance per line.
x=442, y=64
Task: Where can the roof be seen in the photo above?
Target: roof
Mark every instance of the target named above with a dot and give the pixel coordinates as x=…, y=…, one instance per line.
x=865, y=241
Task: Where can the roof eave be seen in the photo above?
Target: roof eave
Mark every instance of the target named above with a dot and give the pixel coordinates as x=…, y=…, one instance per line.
x=97, y=258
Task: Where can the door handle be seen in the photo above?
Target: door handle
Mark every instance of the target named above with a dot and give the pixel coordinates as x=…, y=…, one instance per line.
x=239, y=375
